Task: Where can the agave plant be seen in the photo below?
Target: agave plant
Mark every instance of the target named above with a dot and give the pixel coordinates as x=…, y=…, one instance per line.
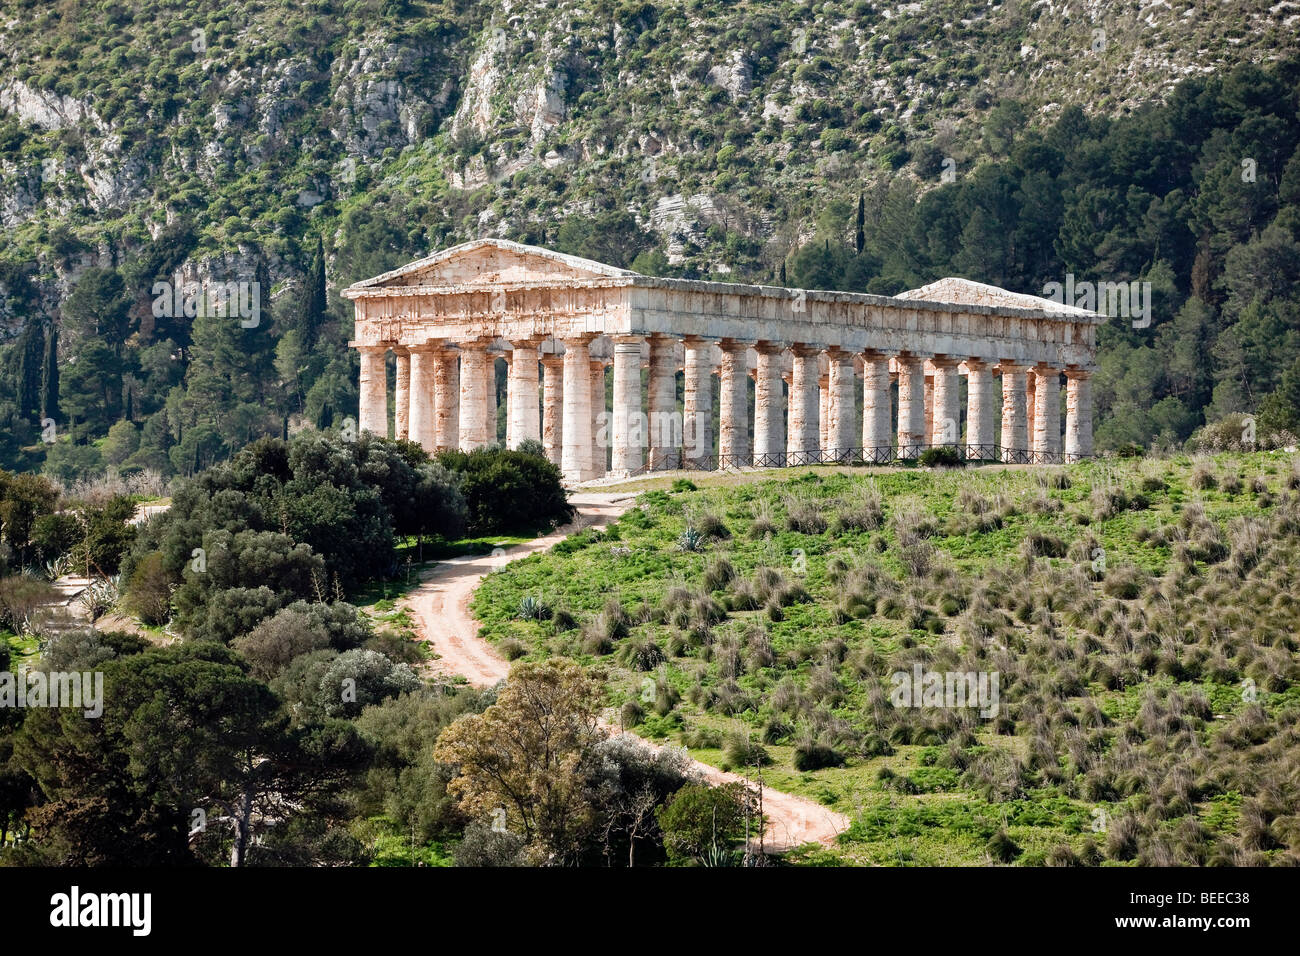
x=533, y=609
x=690, y=540
x=717, y=856
x=100, y=597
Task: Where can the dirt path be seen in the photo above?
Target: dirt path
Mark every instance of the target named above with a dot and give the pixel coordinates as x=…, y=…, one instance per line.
x=440, y=606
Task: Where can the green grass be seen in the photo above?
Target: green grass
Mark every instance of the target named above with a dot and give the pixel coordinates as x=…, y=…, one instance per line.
x=936, y=816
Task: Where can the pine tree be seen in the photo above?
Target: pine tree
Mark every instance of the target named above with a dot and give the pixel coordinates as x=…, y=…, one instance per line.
x=861, y=239
x=50, y=376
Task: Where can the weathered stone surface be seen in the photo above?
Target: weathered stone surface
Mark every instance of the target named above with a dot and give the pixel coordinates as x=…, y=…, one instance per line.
x=912, y=423
x=876, y=401
x=374, y=392
x=1014, y=434
x=841, y=429
x=733, y=411
x=1078, y=414
x=422, y=420
x=552, y=405
x=473, y=395
x=575, y=458
x=446, y=393
x=402, y=394
x=627, y=418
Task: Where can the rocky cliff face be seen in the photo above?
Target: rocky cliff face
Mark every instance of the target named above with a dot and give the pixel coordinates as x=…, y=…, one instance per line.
x=264, y=123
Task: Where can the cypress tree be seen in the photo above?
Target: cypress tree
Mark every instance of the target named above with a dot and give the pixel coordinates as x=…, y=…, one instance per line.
x=861, y=239
x=314, y=304
x=50, y=378
x=30, y=361
x=782, y=272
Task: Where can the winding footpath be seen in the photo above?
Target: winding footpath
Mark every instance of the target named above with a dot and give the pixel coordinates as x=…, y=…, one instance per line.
x=440, y=606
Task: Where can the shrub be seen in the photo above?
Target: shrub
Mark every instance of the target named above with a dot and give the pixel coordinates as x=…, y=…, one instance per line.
x=631, y=714
x=1002, y=848
x=643, y=655
x=742, y=752
x=941, y=457
x=512, y=648
x=711, y=526
x=805, y=517
x=149, y=589
x=813, y=755
x=1042, y=545
x=507, y=490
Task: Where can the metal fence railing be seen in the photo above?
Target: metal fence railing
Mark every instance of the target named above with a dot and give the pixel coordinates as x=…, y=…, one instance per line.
x=677, y=460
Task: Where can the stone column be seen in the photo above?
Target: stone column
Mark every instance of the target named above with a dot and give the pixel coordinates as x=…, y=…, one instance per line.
x=521, y=396
x=1015, y=441
x=912, y=420
x=697, y=417
x=473, y=395
x=979, y=409
x=662, y=400
x=947, y=409
x=877, y=439
x=823, y=412
x=402, y=400
x=841, y=435
x=1078, y=414
x=373, y=415
x=804, y=398
x=600, y=433
x=929, y=408
x=1047, y=412
x=422, y=378
x=769, y=443
x=1031, y=383
x=553, y=405
x=575, y=456
x=446, y=398
x=628, y=426
x=733, y=405
x=490, y=398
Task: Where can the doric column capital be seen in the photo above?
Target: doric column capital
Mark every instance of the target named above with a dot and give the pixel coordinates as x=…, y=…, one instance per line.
x=802, y=350
x=766, y=347
x=944, y=362
x=1078, y=374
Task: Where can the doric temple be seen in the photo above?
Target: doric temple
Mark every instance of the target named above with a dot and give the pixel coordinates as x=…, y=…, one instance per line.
x=825, y=366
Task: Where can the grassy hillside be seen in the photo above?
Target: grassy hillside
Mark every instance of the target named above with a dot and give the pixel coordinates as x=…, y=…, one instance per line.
x=1141, y=618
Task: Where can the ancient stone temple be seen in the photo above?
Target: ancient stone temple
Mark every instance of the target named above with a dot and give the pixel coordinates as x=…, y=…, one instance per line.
x=801, y=376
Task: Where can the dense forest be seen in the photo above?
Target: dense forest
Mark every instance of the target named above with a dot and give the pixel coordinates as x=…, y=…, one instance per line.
x=274, y=721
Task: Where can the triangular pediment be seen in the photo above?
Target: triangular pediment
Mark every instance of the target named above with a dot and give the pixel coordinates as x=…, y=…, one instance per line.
x=957, y=291
x=490, y=262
